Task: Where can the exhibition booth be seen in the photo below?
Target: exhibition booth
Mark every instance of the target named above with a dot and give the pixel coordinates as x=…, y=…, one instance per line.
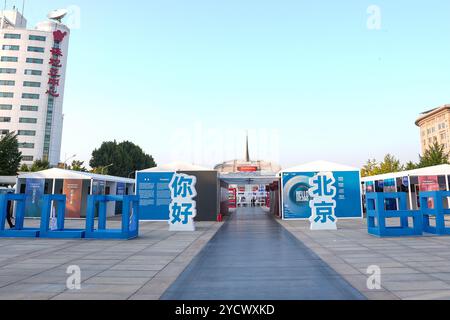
x=152, y=187
x=77, y=186
x=339, y=187
x=412, y=182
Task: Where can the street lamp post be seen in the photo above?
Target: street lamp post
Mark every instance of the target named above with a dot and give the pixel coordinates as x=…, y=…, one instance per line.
x=67, y=159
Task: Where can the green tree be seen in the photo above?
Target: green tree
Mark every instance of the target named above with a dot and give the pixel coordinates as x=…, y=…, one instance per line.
x=411, y=165
x=10, y=156
x=40, y=165
x=370, y=168
x=120, y=159
x=78, y=166
x=24, y=168
x=390, y=164
x=433, y=156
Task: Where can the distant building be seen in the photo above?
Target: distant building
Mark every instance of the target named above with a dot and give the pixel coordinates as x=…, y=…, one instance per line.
x=435, y=127
x=247, y=165
x=247, y=179
x=32, y=76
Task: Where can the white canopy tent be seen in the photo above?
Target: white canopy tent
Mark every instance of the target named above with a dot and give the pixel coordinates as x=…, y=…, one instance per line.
x=319, y=166
x=413, y=188
x=56, y=173
x=56, y=179
x=440, y=170
x=177, y=166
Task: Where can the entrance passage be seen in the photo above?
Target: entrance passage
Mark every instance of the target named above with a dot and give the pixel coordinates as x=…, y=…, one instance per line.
x=253, y=257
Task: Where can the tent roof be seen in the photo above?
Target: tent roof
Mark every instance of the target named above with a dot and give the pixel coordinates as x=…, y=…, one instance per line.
x=176, y=167
x=319, y=166
x=443, y=169
x=56, y=173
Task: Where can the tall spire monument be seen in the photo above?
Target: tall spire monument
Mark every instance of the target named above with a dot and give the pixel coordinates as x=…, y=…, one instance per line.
x=247, y=151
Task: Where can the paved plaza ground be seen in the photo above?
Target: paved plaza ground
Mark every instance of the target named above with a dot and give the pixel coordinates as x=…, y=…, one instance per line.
x=411, y=267
x=251, y=256
x=139, y=269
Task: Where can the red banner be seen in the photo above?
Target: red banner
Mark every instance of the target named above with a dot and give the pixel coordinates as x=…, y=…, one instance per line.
x=73, y=191
x=428, y=183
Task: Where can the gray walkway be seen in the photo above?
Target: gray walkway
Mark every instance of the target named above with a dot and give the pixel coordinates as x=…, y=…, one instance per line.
x=254, y=257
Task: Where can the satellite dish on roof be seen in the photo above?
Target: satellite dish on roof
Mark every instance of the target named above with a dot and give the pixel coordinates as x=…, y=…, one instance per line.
x=57, y=14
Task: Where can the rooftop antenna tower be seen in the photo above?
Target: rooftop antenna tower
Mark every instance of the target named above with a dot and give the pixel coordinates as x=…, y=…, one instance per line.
x=23, y=10
x=57, y=15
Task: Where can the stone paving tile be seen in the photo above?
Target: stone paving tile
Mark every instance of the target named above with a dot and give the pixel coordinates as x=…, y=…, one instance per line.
x=424, y=295
x=36, y=269
x=412, y=268
x=90, y=296
x=145, y=297
x=118, y=281
x=380, y=295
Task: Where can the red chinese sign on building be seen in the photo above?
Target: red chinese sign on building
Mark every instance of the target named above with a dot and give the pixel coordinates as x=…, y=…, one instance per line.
x=55, y=63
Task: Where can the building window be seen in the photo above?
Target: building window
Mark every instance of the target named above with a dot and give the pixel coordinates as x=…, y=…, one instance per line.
x=36, y=38
x=27, y=120
x=9, y=59
x=36, y=49
x=7, y=83
x=5, y=106
x=29, y=108
x=6, y=95
x=30, y=72
x=27, y=158
x=30, y=96
x=435, y=139
x=4, y=131
x=26, y=145
x=10, y=47
x=12, y=36
x=5, y=119
x=443, y=136
x=8, y=70
x=31, y=84
x=30, y=133
x=35, y=60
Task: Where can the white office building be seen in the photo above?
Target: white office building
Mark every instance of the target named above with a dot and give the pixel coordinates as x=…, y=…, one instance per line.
x=32, y=77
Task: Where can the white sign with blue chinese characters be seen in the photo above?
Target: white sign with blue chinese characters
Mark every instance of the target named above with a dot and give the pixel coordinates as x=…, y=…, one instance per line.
x=183, y=208
x=323, y=203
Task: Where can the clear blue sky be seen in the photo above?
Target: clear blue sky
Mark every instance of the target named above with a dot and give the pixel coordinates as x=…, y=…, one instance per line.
x=310, y=70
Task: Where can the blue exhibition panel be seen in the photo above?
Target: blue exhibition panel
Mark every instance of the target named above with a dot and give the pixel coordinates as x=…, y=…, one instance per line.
x=130, y=218
x=155, y=196
x=59, y=232
x=19, y=231
x=435, y=212
x=296, y=198
x=378, y=213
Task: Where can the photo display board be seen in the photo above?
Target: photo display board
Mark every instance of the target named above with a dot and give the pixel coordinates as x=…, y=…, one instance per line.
x=296, y=194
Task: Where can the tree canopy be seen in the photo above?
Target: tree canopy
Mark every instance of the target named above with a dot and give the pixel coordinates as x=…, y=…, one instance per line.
x=120, y=159
x=10, y=156
x=77, y=166
x=433, y=156
x=388, y=165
